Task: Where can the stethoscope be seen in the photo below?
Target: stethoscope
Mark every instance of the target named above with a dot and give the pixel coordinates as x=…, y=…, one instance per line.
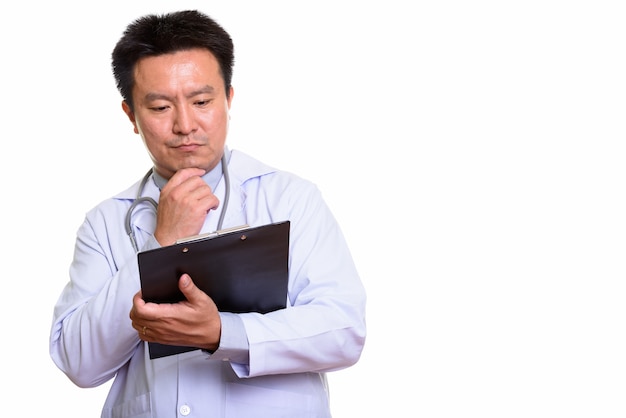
x=140, y=199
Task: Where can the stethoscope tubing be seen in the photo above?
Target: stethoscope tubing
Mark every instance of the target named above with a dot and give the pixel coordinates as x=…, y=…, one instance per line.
x=140, y=199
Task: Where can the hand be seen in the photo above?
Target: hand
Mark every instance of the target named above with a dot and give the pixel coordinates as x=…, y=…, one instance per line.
x=183, y=205
x=194, y=322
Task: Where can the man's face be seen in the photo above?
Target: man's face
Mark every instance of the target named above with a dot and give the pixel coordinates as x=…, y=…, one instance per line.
x=181, y=110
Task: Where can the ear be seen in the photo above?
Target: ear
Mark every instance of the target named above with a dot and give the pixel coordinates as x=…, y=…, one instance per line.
x=231, y=93
x=131, y=115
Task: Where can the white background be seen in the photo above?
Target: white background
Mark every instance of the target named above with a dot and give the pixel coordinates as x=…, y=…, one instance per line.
x=473, y=152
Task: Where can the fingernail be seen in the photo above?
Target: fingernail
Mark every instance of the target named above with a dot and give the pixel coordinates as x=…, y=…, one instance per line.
x=185, y=280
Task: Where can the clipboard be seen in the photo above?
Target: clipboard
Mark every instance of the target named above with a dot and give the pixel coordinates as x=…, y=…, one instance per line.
x=243, y=270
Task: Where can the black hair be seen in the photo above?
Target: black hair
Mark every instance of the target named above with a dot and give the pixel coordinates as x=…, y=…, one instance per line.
x=154, y=35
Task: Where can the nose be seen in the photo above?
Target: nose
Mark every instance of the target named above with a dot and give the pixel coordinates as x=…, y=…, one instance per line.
x=184, y=121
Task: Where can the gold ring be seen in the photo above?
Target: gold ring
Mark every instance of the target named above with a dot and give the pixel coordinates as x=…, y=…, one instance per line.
x=144, y=330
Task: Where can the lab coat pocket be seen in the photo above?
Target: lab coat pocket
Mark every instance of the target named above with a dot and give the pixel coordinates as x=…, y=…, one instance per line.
x=134, y=408
x=249, y=401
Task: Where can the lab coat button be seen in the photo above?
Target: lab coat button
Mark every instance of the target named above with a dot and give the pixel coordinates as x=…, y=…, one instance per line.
x=185, y=410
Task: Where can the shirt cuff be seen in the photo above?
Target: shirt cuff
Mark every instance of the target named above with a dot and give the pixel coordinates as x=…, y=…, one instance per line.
x=234, y=346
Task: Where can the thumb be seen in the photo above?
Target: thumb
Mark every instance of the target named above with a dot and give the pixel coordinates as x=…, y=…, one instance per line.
x=188, y=288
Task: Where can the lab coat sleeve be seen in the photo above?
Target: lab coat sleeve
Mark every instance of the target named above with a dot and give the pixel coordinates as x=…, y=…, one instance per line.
x=91, y=335
x=323, y=328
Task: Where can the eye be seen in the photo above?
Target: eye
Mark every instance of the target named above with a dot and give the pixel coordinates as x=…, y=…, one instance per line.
x=159, y=108
x=204, y=102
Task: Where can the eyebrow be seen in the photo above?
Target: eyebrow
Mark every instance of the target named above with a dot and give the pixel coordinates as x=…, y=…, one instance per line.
x=159, y=96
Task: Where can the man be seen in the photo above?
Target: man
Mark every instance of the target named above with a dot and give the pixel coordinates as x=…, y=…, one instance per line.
x=174, y=74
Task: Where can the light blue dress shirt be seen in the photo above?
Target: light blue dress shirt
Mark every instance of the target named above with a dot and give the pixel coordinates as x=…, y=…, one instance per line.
x=267, y=365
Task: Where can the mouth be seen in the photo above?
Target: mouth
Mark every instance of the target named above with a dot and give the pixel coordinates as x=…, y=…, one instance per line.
x=187, y=147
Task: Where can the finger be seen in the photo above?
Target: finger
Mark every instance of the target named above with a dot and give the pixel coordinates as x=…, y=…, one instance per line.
x=138, y=303
x=183, y=175
x=192, y=192
x=209, y=202
x=133, y=312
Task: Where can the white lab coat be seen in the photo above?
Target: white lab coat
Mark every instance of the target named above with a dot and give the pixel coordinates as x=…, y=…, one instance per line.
x=278, y=370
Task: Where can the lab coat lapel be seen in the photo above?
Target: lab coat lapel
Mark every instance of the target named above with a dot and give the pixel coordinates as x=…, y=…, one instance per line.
x=144, y=215
x=234, y=208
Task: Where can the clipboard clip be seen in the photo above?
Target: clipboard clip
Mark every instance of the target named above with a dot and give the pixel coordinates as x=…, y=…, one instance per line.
x=209, y=235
